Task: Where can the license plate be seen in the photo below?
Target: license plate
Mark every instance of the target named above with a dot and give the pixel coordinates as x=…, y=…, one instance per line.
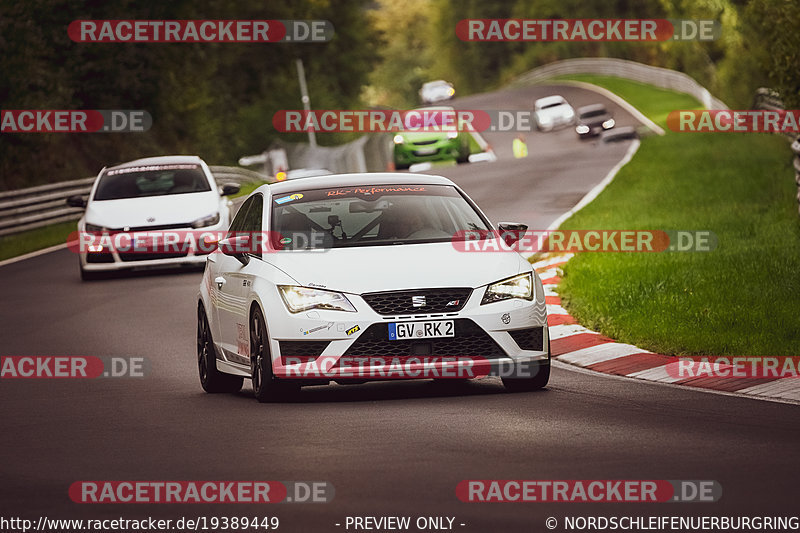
x=430, y=329
x=426, y=151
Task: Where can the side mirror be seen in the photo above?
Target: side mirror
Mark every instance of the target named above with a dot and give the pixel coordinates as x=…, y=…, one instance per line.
x=237, y=246
x=76, y=201
x=210, y=242
x=512, y=232
x=230, y=189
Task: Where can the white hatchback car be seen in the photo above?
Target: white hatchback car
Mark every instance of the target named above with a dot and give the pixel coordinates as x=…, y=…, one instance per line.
x=157, y=194
x=551, y=112
x=359, y=277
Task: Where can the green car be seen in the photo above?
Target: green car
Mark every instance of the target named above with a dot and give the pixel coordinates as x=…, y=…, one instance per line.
x=420, y=146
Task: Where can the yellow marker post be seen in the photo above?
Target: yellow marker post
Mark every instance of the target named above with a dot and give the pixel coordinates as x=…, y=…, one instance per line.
x=519, y=147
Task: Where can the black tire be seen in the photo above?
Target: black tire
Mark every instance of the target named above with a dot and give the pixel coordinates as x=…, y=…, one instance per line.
x=537, y=381
x=211, y=379
x=266, y=387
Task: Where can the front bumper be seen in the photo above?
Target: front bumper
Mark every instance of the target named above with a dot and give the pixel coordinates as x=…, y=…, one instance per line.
x=188, y=253
x=504, y=338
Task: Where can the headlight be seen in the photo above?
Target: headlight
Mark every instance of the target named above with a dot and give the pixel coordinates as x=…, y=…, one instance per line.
x=517, y=287
x=304, y=298
x=398, y=139
x=582, y=129
x=452, y=134
x=93, y=228
x=451, y=91
x=608, y=124
x=210, y=220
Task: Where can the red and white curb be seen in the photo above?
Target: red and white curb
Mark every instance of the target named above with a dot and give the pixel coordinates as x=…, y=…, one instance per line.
x=576, y=345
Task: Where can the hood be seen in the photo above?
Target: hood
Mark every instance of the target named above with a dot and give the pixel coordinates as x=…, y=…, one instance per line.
x=397, y=267
x=175, y=209
x=417, y=136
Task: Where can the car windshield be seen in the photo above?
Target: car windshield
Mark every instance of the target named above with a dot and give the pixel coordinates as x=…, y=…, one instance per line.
x=151, y=180
x=372, y=215
x=550, y=106
x=593, y=113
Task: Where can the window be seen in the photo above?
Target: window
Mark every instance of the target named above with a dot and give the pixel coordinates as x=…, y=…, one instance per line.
x=372, y=215
x=152, y=180
x=248, y=220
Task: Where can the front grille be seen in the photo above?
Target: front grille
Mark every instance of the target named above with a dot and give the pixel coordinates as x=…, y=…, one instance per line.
x=302, y=348
x=146, y=256
x=469, y=341
x=529, y=338
x=424, y=143
x=99, y=257
x=402, y=302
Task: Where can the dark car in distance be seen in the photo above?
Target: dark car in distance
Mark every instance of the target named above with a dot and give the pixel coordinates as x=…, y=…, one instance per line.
x=593, y=120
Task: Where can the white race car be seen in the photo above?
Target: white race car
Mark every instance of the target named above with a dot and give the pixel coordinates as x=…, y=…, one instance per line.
x=436, y=91
x=551, y=112
x=157, y=197
x=359, y=277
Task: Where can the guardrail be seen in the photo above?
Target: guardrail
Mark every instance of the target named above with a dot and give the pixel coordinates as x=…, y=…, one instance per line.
x=770, y=100
x=622, y=68
x=369, y=153
x=36, y=207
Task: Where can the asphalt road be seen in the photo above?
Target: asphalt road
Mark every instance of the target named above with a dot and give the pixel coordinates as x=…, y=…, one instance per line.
x=388, y=448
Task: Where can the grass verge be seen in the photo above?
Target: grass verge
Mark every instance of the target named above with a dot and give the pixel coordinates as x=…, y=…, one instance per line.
x=743, y=298
x=36, y=239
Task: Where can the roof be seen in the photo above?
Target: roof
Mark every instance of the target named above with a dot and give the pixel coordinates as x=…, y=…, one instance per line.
x=591, y=107
x=362, y=178
x=161, y=160
x=550, y=100
x=435, y=82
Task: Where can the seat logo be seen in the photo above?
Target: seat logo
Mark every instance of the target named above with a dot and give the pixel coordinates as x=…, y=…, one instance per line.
x=418, y=301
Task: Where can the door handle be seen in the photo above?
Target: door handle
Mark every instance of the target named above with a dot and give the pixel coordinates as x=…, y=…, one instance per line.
x=220, y=281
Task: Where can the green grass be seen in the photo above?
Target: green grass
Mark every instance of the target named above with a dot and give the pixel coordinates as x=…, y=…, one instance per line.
x=653, y=102
x=743, y=298
x=30, y=241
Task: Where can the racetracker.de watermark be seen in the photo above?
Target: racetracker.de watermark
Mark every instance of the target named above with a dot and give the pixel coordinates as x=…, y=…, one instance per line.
x=381, y=121
x=737, y=121
x=574, y=241
x=172, y=492
x=201, y=242
x=200, y=31
x=74, y=121
x=741, y=367
x=71, y=367
x=406, y=367
x=588, y=490
x=597, y=30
